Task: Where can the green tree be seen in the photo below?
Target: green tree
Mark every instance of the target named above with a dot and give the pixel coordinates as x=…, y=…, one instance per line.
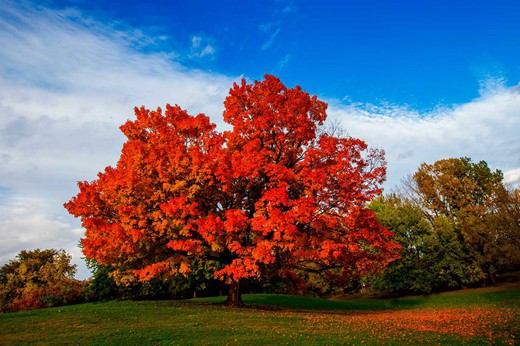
x=410, y=273
x=39, y=279
x=431, y=256
x=447, y=258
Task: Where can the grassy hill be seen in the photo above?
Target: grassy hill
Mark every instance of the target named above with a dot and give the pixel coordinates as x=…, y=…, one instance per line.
x=472, y=316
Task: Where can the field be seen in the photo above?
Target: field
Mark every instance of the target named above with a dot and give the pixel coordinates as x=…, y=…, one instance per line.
x=473, y=316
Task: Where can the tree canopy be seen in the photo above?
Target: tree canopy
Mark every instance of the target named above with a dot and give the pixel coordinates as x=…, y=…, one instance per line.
x=275, y=195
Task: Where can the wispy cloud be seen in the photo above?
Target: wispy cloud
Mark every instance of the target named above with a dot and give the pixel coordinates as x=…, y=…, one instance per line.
x=282, y=63
x=271, y=39
x=282, y=12
x=287, y=6
x=484, y=129
x=200, y=49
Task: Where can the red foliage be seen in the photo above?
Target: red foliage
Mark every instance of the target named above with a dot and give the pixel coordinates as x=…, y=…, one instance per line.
x=274, y=193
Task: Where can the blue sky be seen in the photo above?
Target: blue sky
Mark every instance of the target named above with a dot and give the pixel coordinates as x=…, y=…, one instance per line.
x=423, y=80
x=420, y=53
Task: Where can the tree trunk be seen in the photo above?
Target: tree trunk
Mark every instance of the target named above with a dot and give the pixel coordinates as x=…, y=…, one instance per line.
x=234, y=298
x=492, y=275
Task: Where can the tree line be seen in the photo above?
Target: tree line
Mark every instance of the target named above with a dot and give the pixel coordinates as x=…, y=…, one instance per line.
x=455, y=221
x=281, y=203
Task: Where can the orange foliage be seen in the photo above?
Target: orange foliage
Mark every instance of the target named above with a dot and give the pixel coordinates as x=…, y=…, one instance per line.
x=273, y=192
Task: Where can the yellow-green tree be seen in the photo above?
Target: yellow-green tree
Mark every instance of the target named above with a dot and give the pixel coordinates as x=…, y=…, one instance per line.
x=472, y=200
x=506, y=221
x=39, y=279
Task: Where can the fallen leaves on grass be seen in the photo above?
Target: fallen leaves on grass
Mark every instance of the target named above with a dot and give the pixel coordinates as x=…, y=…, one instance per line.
x=492, y=324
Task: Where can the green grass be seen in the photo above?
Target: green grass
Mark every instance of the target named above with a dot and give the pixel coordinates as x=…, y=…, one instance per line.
x=490, y=296
x=276, y=320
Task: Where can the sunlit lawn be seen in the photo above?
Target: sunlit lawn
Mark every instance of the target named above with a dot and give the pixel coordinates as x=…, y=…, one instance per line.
x=471, y=316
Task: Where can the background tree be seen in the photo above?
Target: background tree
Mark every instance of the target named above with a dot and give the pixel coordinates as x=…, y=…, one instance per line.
x=432, y=257
x=505, y=218
x=412, y=272
x=39, y=279
x=457, y=223
x=272, y=196
x=466, y=194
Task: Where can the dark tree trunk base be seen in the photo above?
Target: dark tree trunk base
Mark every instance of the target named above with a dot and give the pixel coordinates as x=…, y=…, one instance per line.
x=234, y=298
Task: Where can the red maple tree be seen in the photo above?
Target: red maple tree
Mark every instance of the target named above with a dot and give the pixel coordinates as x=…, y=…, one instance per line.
x=276, y=193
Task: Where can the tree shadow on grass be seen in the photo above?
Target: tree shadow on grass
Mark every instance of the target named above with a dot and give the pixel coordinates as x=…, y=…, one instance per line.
x=279, y=302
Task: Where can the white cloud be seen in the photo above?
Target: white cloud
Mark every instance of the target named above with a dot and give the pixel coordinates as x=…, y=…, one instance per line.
x=66, y=84
x=484, y=129
x=24, y=225
x=512, y=176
